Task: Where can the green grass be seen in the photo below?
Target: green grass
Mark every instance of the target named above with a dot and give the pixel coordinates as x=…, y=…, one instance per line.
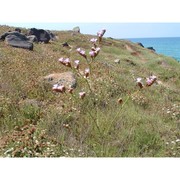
x=54, y=125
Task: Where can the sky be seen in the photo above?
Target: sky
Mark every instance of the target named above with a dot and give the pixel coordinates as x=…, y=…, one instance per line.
x=121, y=18
x=114, y=30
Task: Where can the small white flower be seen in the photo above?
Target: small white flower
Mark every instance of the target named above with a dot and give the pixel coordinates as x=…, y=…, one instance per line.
x=76, y=62
x=138, y=79
x=78, y=49
x=87, y=72
x=61, y=60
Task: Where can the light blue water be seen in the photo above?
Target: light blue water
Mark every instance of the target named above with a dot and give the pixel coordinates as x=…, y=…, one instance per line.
x=169, y=46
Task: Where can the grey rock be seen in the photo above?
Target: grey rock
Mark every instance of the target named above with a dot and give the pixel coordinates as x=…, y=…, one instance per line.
x=151, y=48
x=15, y=33
x=41, y=34
x=32, y=38
x=76, y=29
x=140, y=44
x=67, y=79
x=16, y=39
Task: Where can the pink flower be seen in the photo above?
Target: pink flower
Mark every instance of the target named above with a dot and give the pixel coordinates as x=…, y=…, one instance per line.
x=55, y=86
x=87, y=72
x=92, y=54
x=58, y=88
x=61, y=60
x=93, y=40
x=82, y=95
x=70, y=90
x=150, y=80
x=78, y=49
x=101, y=33
x=98, y=49
x=65, y=62
x=139, y=83
x=81, y=52
x=76, y=62
x=62, y=88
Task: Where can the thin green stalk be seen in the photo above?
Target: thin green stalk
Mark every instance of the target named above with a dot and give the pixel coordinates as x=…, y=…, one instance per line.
x=86, y=81
x=95, y=123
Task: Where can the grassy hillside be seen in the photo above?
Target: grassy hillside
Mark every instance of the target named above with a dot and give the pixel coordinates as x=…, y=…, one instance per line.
x=116, y=118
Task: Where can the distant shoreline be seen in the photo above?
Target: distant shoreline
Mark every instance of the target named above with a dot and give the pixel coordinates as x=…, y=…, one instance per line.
x=168, y=46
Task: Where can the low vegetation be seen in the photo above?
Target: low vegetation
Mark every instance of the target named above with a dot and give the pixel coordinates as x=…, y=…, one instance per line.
x=113, y=112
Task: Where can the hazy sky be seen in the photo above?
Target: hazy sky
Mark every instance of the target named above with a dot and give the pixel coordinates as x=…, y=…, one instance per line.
x=121, y=18
x=114, y=30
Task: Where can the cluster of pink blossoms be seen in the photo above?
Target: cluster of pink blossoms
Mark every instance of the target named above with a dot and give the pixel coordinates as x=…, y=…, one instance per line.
x=66, y=62
x=94, y=52
x=76, y=64
x=93, y=40
x=61, y=88
x=100, y=34
x=81, y=52
x=149, y=81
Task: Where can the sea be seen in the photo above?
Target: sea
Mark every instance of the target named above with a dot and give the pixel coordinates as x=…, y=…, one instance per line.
x=169, y=46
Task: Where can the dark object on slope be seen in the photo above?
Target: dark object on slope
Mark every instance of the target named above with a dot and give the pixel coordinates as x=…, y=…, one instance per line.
x=42, y=35
x=18, y=30
x=15, y=33
x=32, y=38
x=151, y=48
x=140, y=44
x=16, y=39
x=52, y=36
x=65, y=44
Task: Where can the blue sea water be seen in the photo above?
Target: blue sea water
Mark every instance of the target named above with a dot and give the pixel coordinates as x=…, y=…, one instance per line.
x=169, y=46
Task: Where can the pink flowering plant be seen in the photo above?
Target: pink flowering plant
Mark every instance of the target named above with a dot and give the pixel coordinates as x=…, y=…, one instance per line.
x=86, y=91
x=149, y=81
x=83, y=75
x=100, y=34
x=74, y=65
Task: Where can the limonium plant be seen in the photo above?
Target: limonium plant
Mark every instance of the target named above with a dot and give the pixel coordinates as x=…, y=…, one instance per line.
x=85, y=75
x=75, y=65
x=149, y=81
